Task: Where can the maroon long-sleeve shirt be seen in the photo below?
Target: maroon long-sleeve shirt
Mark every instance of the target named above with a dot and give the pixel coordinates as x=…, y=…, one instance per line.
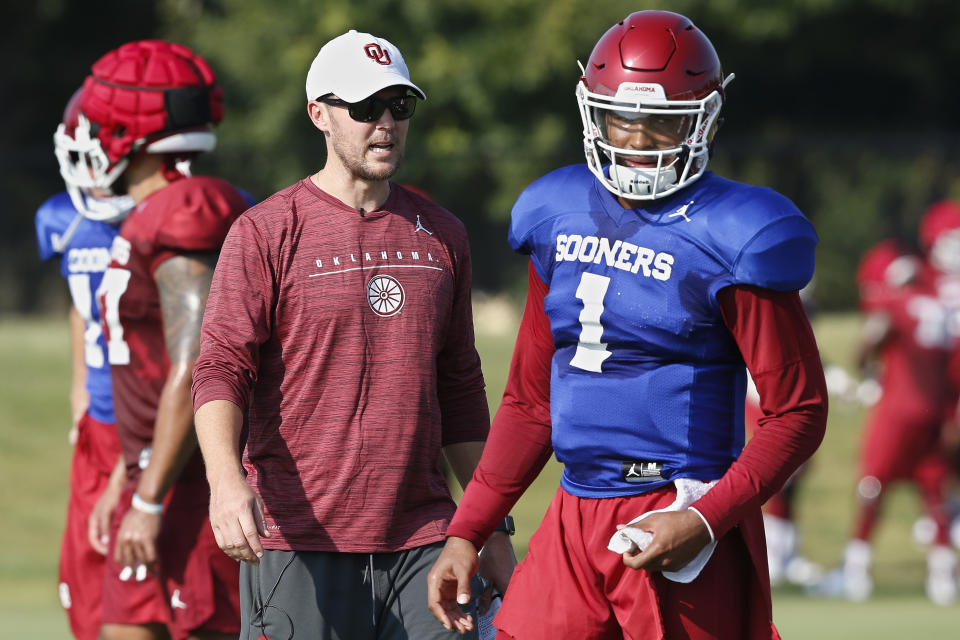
x=347, y=339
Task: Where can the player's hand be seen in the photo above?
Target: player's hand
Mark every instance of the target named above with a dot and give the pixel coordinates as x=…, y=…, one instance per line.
x=448, y=584
x=98, y=524
x=137, y=539
x=678, y=536
x=497, y=561
x=236, y=515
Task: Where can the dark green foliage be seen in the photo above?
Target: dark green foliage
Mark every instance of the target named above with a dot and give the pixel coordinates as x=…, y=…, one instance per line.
x=845, y=106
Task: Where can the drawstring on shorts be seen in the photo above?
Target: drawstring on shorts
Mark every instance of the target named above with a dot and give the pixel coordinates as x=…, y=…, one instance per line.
x=265, y=604
x=373, y=592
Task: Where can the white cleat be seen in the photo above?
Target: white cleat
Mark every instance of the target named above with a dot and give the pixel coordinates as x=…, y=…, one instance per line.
x=941, y=583
x=857, y=586
x=955, y=532
x=803, y=572
x=857, y=561
x=924, y=531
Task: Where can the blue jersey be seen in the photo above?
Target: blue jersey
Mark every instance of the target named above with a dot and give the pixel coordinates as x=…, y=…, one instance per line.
x=83, y=260
x=647, y=383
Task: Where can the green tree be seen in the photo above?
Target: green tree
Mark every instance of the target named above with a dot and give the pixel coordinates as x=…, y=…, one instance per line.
x=47, y=48
x=845, y=106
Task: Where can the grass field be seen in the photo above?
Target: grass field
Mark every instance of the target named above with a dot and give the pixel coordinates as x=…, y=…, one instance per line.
x=34, y=463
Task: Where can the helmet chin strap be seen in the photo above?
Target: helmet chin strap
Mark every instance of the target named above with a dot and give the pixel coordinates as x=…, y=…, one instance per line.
x=635, y=181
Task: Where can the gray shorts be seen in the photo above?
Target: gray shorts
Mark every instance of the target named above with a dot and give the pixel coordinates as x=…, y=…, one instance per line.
x=341, y=596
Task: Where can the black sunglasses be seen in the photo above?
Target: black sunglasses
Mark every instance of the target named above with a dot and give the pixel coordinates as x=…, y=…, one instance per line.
x=370, y=109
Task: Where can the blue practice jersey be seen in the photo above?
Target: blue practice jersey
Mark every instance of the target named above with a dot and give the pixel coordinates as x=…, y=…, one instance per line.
x=83, y=261
x=647, y=383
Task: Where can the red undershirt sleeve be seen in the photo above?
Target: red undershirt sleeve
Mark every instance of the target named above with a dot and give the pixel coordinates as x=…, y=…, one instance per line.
x=518, y=445
x=780, y=351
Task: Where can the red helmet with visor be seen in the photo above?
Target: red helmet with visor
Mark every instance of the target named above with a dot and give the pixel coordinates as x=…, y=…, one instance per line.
x=655, y=72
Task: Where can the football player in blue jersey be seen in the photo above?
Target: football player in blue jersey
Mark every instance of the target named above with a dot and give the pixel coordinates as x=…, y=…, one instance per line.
x=653, y=286
x=78, y=229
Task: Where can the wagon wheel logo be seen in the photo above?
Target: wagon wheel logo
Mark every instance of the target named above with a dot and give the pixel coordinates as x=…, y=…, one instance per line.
x=385, y=296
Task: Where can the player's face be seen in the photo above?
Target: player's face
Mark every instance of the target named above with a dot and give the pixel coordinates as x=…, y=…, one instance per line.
x=645, y=132
x=369, y=150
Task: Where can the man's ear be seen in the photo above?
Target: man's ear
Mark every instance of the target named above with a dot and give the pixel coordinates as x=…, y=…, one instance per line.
x=319, y=115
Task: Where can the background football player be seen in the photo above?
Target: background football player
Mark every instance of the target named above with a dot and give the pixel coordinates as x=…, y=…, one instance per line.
x=147, y=109
x=906, y=335
x=939, y=235
x=78, y=229
x=940, y=239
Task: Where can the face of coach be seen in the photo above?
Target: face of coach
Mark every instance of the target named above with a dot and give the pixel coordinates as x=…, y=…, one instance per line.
x=359, y=94
x=366, y=150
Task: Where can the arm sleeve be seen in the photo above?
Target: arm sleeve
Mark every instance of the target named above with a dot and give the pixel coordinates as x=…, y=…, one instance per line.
x=236, y=321
x=519, y=442
x=778, y=346
x=464, y=412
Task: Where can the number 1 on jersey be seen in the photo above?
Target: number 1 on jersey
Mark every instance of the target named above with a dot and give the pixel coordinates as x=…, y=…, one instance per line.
x=590, y=351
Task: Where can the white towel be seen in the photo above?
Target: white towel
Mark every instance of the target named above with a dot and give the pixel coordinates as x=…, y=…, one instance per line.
x=688, y=492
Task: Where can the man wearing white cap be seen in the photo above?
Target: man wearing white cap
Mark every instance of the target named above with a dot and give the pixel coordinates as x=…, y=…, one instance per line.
x=339, y=329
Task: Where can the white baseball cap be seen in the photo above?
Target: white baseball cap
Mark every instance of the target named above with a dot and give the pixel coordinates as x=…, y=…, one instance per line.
x=355, y=65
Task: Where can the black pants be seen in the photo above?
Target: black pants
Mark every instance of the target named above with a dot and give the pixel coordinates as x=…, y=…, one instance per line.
x=341, y=596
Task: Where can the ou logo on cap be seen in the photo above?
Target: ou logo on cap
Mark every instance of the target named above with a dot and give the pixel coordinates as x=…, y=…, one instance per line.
x=377, y=53
x=385, y=295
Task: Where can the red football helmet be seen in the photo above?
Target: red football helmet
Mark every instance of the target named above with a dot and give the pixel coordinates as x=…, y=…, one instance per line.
x=69, y=152
x=149, y=94
x=655, y=69
x=940, y=235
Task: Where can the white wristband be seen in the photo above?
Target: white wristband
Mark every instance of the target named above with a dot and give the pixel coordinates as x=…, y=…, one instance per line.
x=713, y=538
x=143, y=506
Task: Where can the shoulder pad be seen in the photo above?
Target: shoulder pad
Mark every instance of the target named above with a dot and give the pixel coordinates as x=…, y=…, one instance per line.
x=779, y=253
x=759, y=234
x=780, y=257
x=195, y=214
